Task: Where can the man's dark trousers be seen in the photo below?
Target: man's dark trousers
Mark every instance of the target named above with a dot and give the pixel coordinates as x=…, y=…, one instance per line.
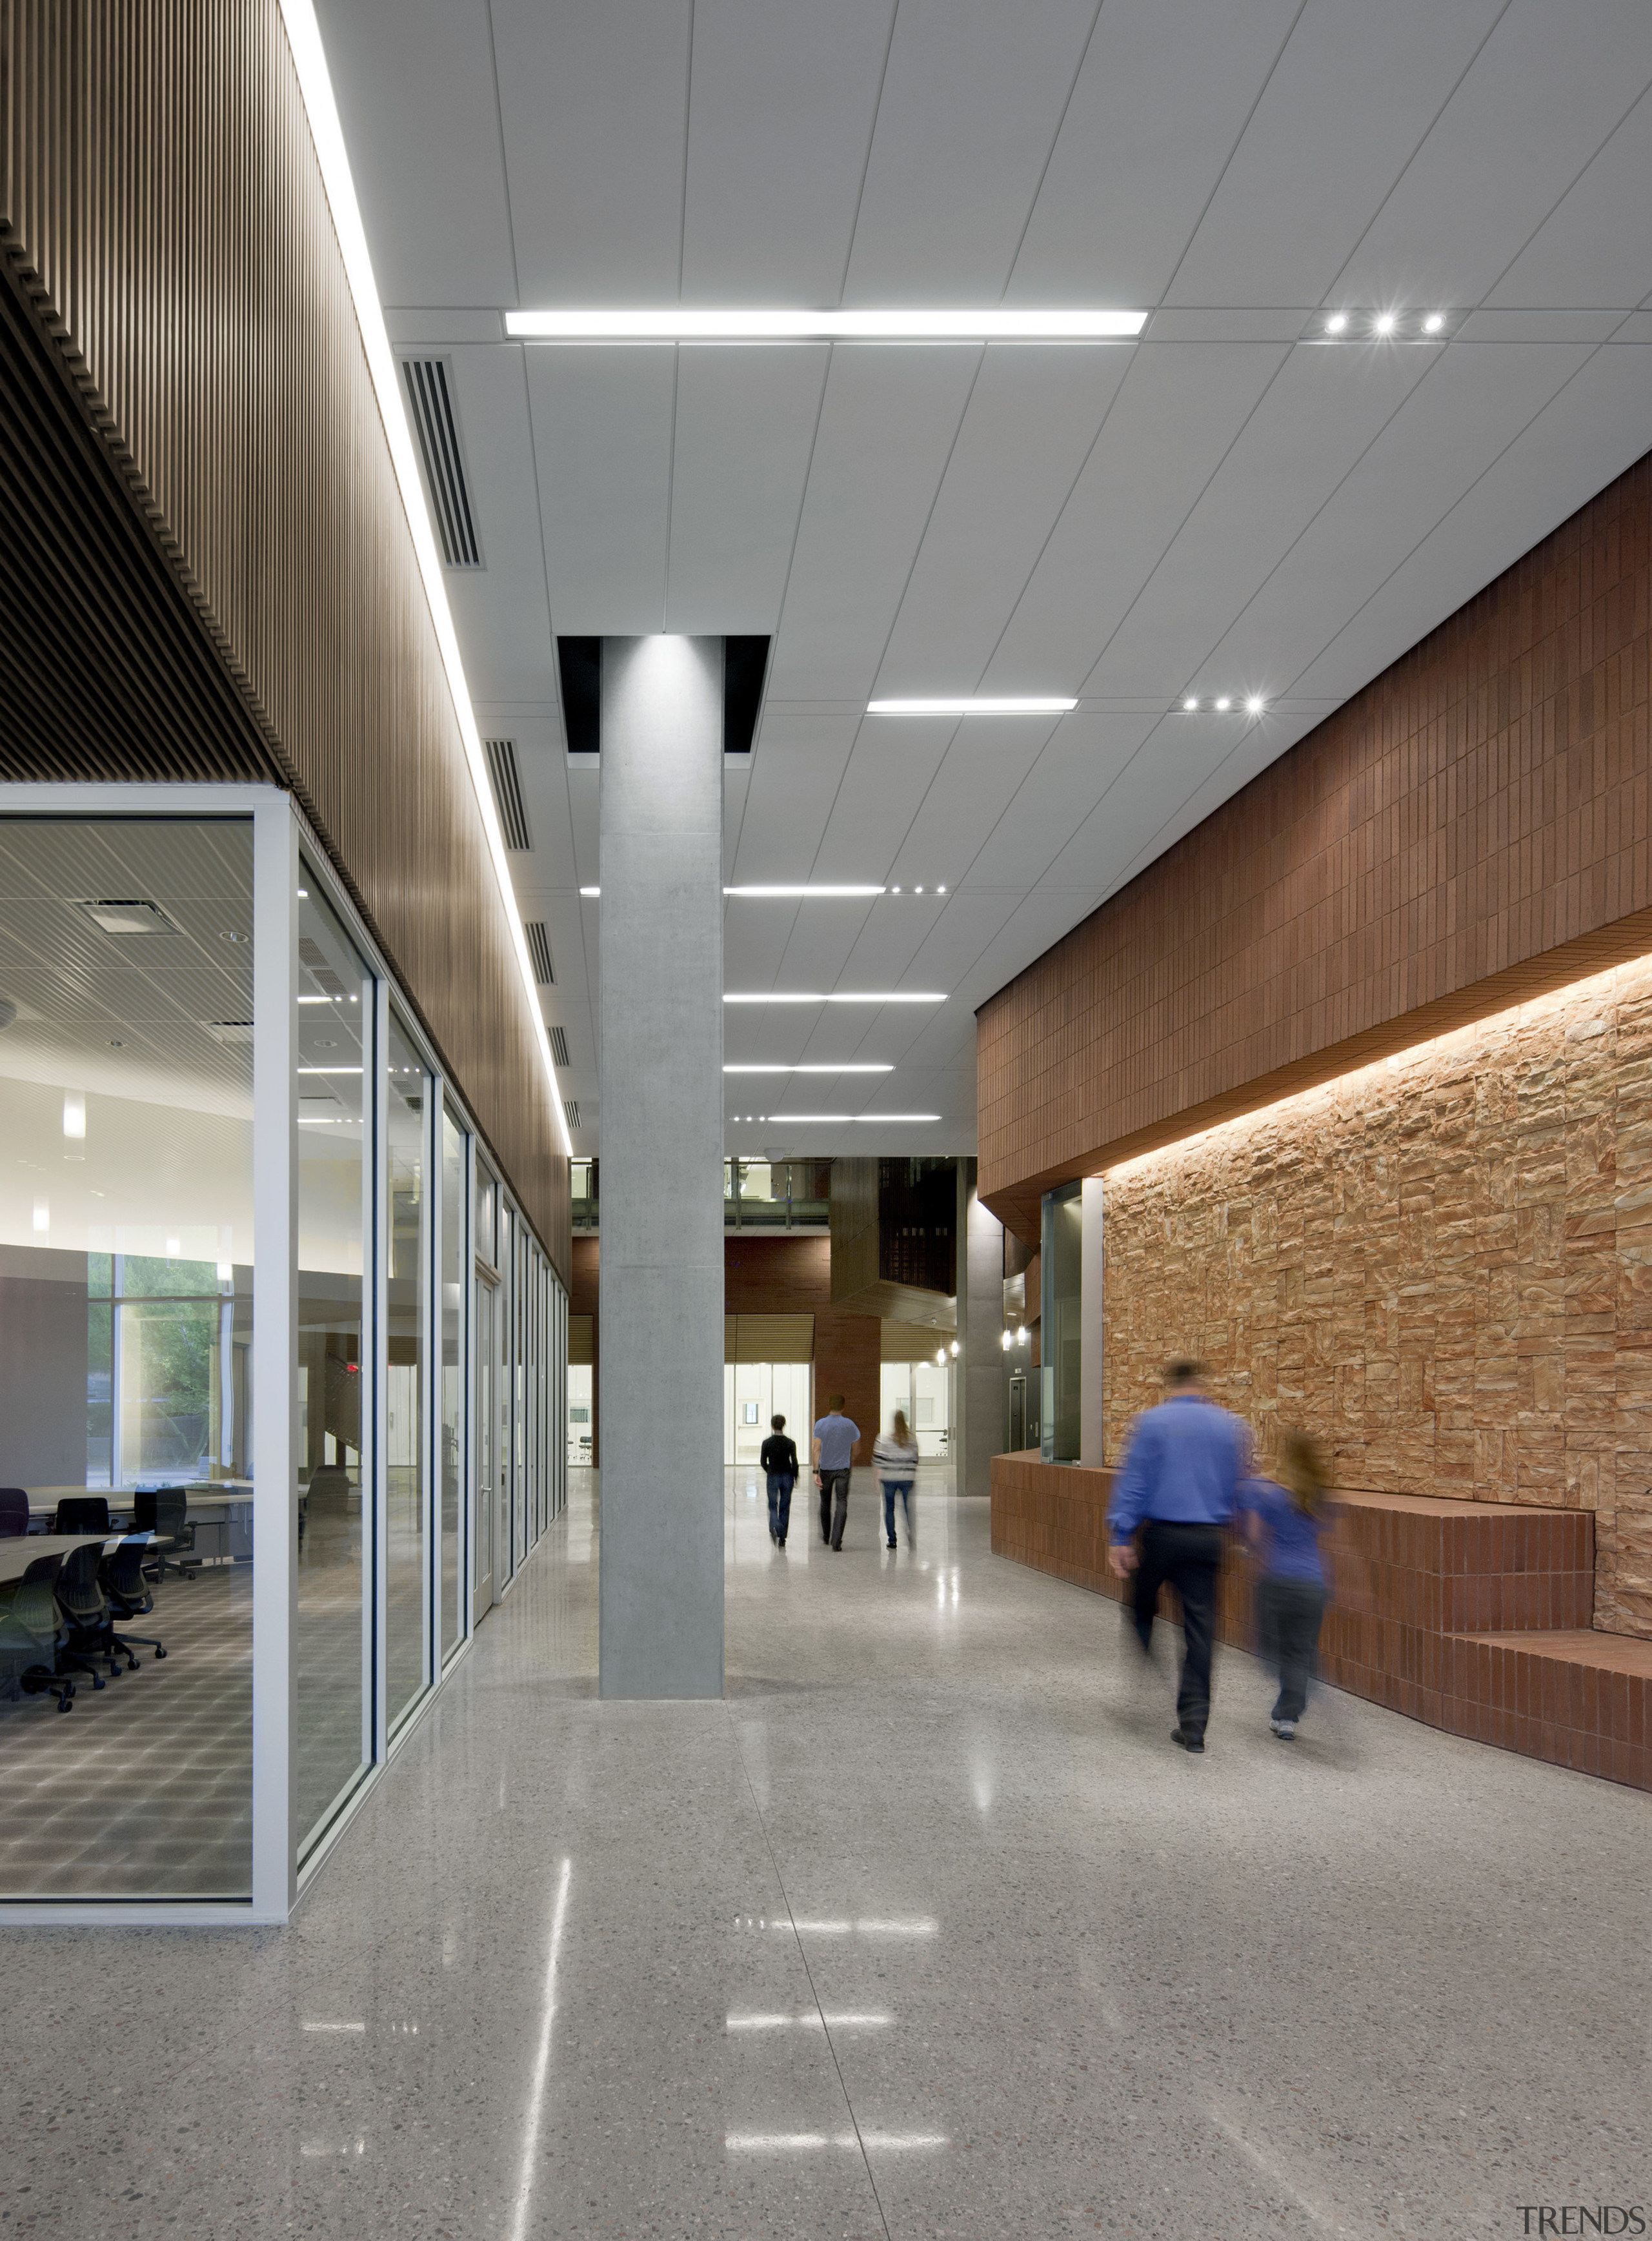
x=1189, y=1557
x=834, y=1505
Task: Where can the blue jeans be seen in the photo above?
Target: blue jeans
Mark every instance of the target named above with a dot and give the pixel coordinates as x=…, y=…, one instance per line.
x=780, y=1485
x=892, y=1487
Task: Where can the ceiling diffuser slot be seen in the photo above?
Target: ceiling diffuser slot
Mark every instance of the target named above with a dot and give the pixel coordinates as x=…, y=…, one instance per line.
x=430, y=404
x=539, y=952
x=507, y=793
x=571, y=1109
x=560, y=1047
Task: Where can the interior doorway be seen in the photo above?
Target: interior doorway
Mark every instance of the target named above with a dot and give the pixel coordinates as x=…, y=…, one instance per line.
x=753, y=1393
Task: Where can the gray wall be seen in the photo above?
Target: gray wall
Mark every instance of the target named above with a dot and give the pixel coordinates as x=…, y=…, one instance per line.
x=42, y=1373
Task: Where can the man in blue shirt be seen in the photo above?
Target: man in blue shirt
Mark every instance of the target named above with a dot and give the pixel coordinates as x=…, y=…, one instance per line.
x=1178, y=1488
x=836, y=1437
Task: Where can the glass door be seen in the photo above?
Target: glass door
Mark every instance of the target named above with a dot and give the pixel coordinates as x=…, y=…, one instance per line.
x=507, y=1545
x=486, y=1378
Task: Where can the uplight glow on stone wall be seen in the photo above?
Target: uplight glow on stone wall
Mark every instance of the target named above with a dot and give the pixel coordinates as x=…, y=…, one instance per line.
x=1440, y=1265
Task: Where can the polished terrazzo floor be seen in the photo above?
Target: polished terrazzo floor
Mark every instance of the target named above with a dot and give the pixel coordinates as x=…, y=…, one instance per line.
x=926, y=1931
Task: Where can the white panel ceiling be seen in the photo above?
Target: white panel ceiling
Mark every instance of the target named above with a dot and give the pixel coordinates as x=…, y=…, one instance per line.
x=1227, y=506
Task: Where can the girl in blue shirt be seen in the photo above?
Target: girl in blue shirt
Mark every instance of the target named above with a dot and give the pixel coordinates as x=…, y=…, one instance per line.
x=1286, y=1523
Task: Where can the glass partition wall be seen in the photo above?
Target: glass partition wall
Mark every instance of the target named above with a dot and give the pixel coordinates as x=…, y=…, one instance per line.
x=242, y=1554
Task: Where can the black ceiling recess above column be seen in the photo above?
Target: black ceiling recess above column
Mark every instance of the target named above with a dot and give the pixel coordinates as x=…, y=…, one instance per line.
x=746, y=662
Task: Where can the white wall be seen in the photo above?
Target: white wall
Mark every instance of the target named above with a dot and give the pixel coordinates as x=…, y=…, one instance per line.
x=754, y=1391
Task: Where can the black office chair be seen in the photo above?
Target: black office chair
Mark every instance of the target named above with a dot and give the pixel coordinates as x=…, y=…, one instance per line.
x=121, y=1577
x=81, y=1512
x=85, y=1609
x=30, y=1632
x=164, y=1511
x=14, y=1512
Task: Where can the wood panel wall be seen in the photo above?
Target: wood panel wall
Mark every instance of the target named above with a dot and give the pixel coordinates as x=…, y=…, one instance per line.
x=1473, y=827
x=163, y=228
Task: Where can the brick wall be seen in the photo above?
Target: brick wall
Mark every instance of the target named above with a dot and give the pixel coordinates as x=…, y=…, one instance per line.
x=1472, y=826
x=1442, y=1264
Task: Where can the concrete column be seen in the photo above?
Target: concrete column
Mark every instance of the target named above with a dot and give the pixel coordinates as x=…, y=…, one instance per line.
x=1090, y=1324
x=981, y=1335
x=660, y=1355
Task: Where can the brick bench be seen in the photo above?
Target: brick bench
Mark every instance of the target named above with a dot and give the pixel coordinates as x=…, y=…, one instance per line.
x=1472, y=1616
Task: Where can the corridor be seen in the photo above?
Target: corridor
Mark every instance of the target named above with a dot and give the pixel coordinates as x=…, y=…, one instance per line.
x=926, y=1931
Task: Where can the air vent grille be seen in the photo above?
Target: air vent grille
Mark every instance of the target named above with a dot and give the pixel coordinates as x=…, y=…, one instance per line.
x=314, y=957
x=507, y=793
x=560, y=1047
x=432, y=407
x=539, y=952
x=571, y=1108
x=135, y=916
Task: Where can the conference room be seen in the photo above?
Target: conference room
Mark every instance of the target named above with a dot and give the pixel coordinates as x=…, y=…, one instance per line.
x=275, y=1391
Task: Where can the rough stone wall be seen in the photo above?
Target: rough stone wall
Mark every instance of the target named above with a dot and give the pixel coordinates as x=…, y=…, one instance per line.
x=1440, y=1265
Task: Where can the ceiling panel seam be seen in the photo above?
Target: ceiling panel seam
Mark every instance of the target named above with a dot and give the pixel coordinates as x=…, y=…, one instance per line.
x=1227, y=164
x=1462, y=499
x=866, y=161
x=505, y=157
x=1423, y=142
x=1331, y=496
x=1049, y=153
x=1169, y=547
x=682, y=222
x=1500, y=277
x=785, y=586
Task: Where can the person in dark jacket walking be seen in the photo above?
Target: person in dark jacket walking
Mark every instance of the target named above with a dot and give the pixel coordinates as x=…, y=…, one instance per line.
x=1178, y=1491
x=779, y=1461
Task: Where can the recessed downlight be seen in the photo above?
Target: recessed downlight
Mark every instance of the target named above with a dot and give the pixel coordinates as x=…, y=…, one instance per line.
x=1254, y=705
x=1223, y=705
x=1383, y=323
x=1190, y=703
x=1337, y=323
x=1433, y=323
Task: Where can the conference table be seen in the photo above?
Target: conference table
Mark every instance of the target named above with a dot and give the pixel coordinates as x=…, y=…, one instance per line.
x=19, y=1550
x=224, y=1508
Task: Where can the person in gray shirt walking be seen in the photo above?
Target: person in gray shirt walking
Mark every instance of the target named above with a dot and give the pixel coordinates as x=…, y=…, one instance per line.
x=836, y=1437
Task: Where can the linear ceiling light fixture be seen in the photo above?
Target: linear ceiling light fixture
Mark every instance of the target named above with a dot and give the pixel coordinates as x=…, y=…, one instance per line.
x=811, y=894
x=976, y=704
x=808, y=1069
x=870, y=1120
x=315, y=85
x=680, y=322
x=844, y=996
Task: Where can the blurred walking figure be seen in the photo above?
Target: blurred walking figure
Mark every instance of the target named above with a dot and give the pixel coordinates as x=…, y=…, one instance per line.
x=1286, y=1523
x=779, y=1462
x=1178, y=1491
x=836, y=1438
x=896, y=1456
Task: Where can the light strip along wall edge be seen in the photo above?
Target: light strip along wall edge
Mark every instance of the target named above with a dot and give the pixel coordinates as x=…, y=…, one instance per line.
x=314, y=85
